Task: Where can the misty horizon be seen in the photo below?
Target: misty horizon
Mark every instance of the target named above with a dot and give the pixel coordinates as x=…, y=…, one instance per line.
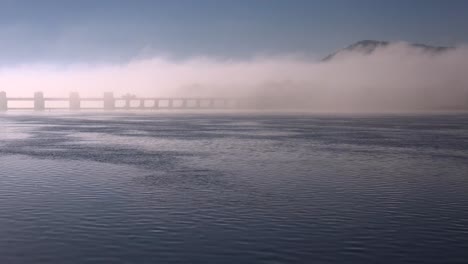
x=396, y=77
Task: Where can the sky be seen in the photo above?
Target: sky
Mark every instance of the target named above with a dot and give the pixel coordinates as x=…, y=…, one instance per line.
x=118, y=31
x=240, y=48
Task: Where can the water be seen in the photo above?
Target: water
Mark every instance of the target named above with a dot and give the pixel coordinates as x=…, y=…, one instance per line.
x=233, y=188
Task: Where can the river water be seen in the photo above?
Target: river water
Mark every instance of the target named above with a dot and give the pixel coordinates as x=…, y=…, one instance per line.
x=233, y=188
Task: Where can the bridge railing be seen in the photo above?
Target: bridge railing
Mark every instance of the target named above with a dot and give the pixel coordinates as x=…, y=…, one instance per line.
x=110, y=102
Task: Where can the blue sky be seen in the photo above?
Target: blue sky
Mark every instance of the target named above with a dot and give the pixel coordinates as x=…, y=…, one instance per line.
x=86, y=31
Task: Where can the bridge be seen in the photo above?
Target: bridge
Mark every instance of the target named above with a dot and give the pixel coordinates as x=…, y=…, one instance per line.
x=109, y=102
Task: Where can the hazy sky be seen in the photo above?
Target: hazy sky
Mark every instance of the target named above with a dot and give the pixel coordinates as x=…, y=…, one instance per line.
x=239, y=48
x=71, y=31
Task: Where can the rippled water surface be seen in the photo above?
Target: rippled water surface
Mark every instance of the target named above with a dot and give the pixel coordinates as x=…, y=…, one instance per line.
x=233, y=188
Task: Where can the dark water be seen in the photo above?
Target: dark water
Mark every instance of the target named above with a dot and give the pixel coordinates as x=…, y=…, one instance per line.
x=167, y=188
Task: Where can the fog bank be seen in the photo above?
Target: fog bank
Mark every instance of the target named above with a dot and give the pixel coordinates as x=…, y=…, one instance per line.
x=398, y=77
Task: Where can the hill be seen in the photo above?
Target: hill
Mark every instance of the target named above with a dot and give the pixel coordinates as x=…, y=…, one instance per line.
x=366, y=47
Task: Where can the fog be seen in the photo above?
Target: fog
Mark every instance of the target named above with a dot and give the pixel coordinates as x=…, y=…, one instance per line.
x=397, y=77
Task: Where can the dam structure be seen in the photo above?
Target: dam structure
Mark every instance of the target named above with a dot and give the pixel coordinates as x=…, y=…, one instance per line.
x=126, y=102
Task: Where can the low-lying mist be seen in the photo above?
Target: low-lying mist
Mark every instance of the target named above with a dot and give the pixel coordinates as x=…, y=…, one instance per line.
x=397, y=77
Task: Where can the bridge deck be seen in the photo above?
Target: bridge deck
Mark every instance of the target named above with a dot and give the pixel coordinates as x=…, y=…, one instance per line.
x=109, y=102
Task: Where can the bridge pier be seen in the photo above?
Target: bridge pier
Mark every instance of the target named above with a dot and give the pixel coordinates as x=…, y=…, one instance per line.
x=109, y=101
x=142, y=104
x=170, y=103
x=39, y=102
x=184, y=103
x=3, y=101
x=75, y=103
x=156, y=103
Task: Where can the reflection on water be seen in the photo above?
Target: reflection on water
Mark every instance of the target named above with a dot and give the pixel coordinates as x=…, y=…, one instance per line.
x=146, y=188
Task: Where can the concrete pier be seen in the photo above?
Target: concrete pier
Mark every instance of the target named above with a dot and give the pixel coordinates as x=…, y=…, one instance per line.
x=128, y=98
x=3, y=101
x=156, y=104
x=39, y=102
